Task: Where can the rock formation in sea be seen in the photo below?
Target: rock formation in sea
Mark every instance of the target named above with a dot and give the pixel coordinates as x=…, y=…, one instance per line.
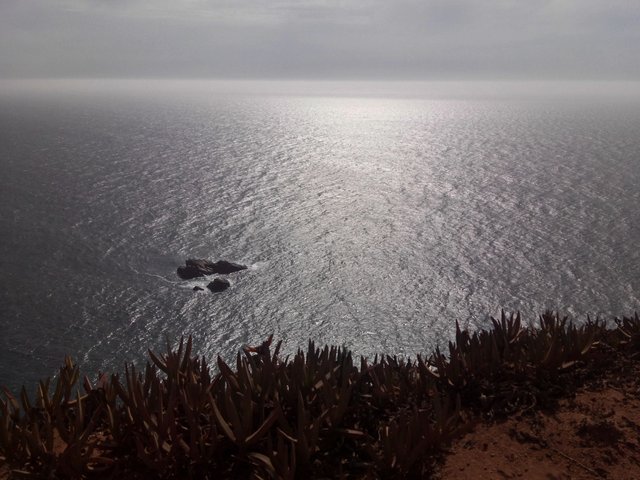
x=199, y=268
x=219, y=284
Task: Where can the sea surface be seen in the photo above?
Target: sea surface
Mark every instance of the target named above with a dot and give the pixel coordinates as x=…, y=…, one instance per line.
x=368, y=219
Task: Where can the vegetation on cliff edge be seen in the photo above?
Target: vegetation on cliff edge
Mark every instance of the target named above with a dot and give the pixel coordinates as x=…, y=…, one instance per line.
x=320, y=413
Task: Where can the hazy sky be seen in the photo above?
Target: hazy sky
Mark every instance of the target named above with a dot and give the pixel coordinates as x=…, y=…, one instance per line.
x=322, y=39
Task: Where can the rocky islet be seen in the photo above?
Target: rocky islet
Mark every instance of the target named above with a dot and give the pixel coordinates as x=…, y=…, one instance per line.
x=198, y=268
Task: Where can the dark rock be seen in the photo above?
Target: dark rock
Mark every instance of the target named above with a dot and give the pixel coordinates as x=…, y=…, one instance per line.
x=189, y=272
x=199, y=268
x=223, y=267
x=198, y=289
x=219, y=285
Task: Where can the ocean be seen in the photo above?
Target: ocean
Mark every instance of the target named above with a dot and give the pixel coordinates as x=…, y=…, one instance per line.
x=371, y=217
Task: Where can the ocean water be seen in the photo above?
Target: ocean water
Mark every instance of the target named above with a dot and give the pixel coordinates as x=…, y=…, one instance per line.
x=369, y=220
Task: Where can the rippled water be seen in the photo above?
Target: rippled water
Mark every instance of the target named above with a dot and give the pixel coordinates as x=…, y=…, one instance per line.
x=369, y=222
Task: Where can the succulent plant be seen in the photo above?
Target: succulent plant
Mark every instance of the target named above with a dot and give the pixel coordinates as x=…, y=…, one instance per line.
x=316, y=414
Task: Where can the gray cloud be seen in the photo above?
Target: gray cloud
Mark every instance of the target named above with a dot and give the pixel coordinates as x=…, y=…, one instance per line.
x=405, y=39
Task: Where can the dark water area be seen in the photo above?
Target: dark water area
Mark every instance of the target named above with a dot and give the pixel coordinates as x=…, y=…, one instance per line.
x=372, y=222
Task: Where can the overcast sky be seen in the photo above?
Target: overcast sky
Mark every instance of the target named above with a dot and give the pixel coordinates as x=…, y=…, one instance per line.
x=321, y=39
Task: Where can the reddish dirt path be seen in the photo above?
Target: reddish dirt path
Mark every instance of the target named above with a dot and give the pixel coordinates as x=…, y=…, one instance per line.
x=594, y=435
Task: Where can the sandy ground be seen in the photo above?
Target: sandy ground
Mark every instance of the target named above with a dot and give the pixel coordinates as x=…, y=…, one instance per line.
x=595, y=434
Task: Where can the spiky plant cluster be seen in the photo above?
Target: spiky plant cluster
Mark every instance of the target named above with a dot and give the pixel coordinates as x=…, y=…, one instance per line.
x=512, y=365
x=316, y=414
